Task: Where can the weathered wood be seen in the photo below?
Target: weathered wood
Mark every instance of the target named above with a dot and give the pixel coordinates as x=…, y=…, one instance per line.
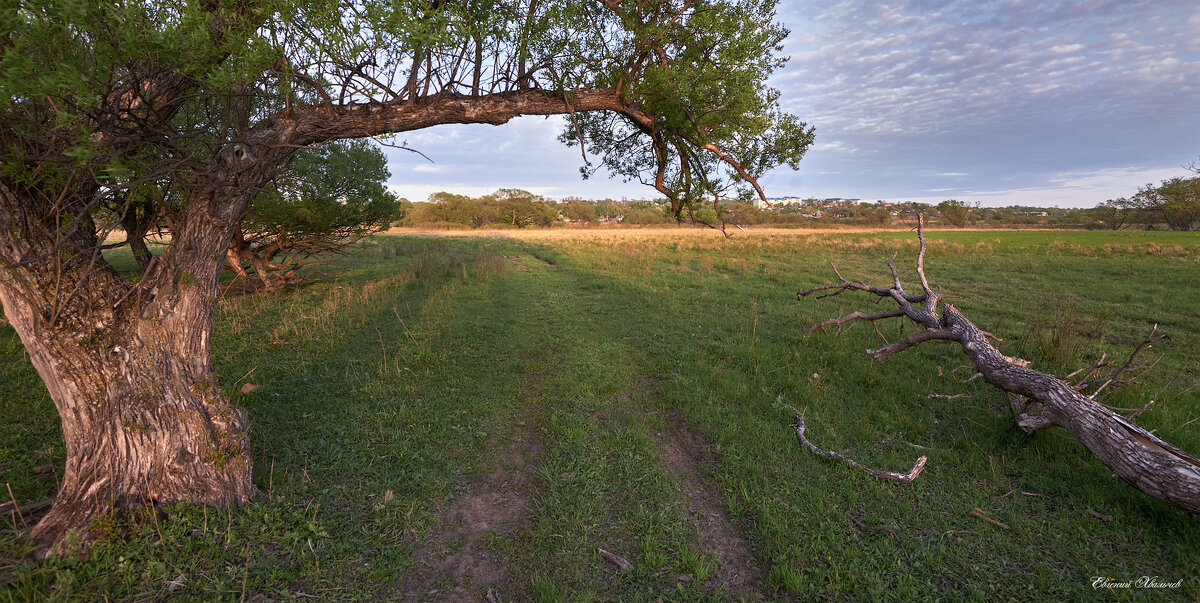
x=615, y=559
x=128, y=365
x=1140, y=458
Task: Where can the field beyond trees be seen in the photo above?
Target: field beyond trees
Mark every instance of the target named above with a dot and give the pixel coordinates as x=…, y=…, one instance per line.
x=437, y=417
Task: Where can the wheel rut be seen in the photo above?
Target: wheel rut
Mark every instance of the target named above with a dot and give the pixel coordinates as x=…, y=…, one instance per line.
x=454, y=560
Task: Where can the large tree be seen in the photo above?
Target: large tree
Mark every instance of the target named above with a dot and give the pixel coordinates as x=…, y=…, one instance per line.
x=194, y=107
x=955, y=212
x=1117, y=214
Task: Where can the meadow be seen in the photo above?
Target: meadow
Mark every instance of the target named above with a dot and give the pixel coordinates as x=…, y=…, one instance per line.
x=477, y=417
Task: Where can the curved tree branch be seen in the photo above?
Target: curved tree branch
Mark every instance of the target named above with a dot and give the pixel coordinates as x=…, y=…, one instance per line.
x=903, y=478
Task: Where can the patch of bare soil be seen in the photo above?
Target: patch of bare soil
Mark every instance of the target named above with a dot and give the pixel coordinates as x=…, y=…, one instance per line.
x=685, y=454
x=454, y=561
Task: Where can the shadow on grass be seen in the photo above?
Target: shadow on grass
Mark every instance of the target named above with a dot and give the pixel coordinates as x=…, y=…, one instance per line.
x=383, y=393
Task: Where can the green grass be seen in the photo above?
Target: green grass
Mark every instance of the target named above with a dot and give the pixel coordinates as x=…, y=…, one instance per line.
x=390, y=391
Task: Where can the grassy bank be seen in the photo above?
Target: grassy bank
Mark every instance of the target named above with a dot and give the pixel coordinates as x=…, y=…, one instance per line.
x=439, y=417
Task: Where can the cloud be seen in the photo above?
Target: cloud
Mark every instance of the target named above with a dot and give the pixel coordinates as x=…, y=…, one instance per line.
x=1105, y=179
x=1010, y=92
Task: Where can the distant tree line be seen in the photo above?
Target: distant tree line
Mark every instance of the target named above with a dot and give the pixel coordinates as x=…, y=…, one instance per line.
x=1174, y=204
x=516, y=208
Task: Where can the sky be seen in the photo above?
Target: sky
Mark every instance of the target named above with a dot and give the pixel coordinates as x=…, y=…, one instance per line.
x=1031, y=102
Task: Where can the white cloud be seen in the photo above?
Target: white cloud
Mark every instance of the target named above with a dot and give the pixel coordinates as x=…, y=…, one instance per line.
x=1066, y=48
x=1016, y=94
x=428, y=168
x=1127, y=178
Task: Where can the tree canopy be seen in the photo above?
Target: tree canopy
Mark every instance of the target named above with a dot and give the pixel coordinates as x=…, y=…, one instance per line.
x=1175, y=202
x=955, y=212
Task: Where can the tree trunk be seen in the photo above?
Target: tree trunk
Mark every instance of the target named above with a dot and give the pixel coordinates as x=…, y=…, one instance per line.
x=128, y=365
x=1137, y=456
x=239, y=254
x=136, y=222
x=142, y=417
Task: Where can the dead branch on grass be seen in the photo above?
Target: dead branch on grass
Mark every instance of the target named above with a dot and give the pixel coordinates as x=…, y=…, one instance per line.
x=903, y=478
x=615, y=559
x=977, y=512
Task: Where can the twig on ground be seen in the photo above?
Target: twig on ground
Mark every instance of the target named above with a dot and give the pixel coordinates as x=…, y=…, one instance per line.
x=15, y=505
x=948, y=396
x=977, y=512
x=1011, y=492
x=615, y=559
x=903, y=478
x=864, y=526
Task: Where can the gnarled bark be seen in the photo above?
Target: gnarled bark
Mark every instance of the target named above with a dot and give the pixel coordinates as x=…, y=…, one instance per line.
x=1145, y=461
x=143, y=422
x=127, y=364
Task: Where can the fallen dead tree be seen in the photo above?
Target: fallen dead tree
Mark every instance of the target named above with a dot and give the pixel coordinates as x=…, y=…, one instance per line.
x=1042, y=401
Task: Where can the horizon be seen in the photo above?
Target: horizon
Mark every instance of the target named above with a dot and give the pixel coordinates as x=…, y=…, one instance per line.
x=784, y=199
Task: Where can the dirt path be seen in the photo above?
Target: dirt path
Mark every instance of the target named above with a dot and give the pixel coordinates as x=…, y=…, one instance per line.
x=685, y=454
x=454, y=560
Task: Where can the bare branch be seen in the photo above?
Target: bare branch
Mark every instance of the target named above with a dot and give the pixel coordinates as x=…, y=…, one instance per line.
x=615, y=559
x=977, y=512
x=1147, y=462
x=856, y=315
x=921, y=255
x=903, y=478
x=913, y=340
x=895, y=276
x=1145, y=344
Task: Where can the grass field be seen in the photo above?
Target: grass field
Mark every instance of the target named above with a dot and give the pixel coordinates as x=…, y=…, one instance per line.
x=440, y=416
